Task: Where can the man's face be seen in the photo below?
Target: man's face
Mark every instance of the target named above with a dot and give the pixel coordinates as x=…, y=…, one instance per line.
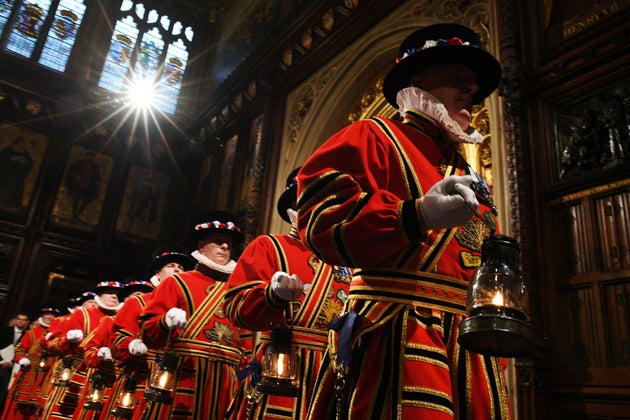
x=168, y=270
x=216, y=246
x=47, y=318
x=21, y=321
x=109, y=298
x=454, y=85
x=90, y=303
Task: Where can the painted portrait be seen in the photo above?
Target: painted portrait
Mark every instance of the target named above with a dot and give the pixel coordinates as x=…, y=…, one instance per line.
x=21, y=156
x=143, y=203
x=79, y=200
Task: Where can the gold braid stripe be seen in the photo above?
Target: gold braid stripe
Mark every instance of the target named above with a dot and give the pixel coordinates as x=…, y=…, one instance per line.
x=421, y=289
x=209, y=351
x=200, y=317
x=306, y=338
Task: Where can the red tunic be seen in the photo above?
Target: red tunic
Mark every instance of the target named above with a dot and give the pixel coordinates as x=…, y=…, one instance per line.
x=63, y=401
x=102, y=336
x=358, y=205
x=250, y=303
x=126, y=329
x=53, y=360
x=210, y=348
x=22, y=403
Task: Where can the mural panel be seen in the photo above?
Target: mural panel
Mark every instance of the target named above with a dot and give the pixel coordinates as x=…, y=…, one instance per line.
x=79, y=200
x=21, y=155
x=143, y=203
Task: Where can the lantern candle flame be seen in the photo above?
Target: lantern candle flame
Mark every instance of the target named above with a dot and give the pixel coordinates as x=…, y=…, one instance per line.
x=498, y=299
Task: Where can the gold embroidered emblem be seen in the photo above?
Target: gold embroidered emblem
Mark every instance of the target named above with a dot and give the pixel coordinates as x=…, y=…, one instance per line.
x=469, y=260
x=472, y=234
x=221, y=333
x=330, y=309
x=314, y=263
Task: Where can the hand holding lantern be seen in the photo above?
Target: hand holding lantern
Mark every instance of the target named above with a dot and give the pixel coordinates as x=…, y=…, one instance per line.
x=126, y=400
x=163, y=380
x=94, y=397
x=280, y=364
x=497, y=303
x=64, y=376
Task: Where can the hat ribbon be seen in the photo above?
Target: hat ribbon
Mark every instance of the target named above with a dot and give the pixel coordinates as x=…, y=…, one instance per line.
x=430, y=43
x=217, y=225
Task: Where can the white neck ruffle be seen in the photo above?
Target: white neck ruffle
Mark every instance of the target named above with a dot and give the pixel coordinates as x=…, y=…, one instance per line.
x=202, y=259
x=42, y=323
x=102, y=305
x=154, y=280
x=413, y=98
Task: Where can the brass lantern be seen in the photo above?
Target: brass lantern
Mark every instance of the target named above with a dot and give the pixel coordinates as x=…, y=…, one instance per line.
x=497, y=303
x=94, y=397
x=279, y=365
x=41, y=364
x=126, y=399
x=66, y=371
x=163, y=380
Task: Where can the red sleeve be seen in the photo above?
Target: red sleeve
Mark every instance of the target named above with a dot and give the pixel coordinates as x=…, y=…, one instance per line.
x=350, y=206
x=99, y=337
x=54, y=331
x=248, y=300
x=126, y=327
x=77, y=321
x=22, y=348
x=167, y=295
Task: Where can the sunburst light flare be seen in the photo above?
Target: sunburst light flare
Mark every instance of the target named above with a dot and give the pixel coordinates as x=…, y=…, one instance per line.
x=141, y=94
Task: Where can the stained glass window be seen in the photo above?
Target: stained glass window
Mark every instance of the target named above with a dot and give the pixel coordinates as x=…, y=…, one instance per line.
x=147, y=46
x=41, y=30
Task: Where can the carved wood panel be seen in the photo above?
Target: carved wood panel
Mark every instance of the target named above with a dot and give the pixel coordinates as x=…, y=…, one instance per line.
x=588, y=302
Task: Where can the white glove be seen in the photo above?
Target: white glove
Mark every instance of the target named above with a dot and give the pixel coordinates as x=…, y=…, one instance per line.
x=74, y=336
x=105, y=354
x=24, y=362
x=175, y=318
x=286, y=287
x=448, y=203
x=137, y=347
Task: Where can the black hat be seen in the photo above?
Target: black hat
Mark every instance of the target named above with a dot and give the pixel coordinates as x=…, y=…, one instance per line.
x=289, y=196
x=217, y=221
x=103, y=286
x=444, y=43
x=50, y=309
x=71, y=302
x=134, y=284
x=165, y=254
x=85, y=296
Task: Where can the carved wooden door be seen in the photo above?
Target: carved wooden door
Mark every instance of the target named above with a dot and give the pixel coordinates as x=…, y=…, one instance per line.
x=566, y=105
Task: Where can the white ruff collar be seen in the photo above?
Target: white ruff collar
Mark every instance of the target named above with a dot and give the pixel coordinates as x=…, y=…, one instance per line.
x=227, y=268
x=154, y=280
x=413, y=98
x=102, y=305
x=42, y=323
x=292, y=217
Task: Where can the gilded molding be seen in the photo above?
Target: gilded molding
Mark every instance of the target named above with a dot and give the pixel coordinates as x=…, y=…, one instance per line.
x=305, y=97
